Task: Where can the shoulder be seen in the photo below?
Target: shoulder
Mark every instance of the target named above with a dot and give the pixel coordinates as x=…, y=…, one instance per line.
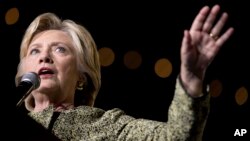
x=93, y=114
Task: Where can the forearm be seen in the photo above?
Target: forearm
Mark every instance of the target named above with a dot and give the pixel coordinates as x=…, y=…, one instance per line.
x=186, y=120
x=187, y=114
x=192, y=81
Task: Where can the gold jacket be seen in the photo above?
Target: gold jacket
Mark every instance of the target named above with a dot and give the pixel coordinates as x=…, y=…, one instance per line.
x=186, y=121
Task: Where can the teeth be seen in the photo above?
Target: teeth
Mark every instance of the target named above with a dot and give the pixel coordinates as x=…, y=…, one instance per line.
x=45, y=71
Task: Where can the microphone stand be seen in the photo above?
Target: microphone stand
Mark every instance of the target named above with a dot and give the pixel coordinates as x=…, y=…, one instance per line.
x=19, y=103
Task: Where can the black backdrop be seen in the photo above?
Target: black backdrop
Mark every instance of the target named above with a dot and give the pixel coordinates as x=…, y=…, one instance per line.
x=154, y=29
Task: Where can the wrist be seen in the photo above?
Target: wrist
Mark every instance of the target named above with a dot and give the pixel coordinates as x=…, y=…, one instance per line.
x=192, y=85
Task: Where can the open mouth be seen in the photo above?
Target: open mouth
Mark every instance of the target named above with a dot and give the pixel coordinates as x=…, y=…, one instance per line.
x=45, y=72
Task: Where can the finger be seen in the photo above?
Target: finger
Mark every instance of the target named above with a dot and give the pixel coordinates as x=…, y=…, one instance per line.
x=219, y=25
x=199, y=19
x=186, y=42
x=211, y=18
x=223, y=38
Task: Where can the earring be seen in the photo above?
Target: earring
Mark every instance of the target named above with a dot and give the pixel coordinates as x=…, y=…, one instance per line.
x=79, y=85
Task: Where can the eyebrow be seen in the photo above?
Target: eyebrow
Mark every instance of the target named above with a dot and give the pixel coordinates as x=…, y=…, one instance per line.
x=51, y=44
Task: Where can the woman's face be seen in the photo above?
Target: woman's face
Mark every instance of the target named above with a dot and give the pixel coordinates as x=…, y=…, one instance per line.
x=52, y=56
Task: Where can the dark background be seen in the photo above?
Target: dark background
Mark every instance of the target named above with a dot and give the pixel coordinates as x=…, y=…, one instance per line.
x=155, y=30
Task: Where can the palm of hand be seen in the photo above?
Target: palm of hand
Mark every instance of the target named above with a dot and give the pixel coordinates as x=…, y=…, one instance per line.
x=199, y=47
x=202, y=51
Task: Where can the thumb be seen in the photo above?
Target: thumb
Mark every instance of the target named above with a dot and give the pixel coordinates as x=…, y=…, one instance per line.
x=186, y=42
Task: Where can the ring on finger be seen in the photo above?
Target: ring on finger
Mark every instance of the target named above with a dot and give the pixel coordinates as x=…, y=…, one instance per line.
x=213, y=36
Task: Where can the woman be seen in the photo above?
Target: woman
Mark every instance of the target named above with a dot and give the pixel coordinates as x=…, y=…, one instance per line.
x=65, y=57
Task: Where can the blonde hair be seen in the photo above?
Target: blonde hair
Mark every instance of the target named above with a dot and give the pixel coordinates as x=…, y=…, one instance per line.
x=86, y=52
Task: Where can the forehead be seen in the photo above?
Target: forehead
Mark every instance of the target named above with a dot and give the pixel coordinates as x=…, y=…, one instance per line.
x=50, y=36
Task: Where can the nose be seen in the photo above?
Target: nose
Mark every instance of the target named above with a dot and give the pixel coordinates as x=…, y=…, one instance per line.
x=45, y=58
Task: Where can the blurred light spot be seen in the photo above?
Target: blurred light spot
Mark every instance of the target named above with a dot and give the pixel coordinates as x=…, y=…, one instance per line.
x=132, y=59
x=241, y=96
x=12, y=16
x=215, y=88
x=107, y=56
x=163, y=68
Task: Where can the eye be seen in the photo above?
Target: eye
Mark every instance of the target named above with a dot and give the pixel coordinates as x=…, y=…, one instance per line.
x=60, y=49
x=34, y=51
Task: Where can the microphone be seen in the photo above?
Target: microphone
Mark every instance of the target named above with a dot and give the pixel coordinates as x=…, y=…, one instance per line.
x=28, y=82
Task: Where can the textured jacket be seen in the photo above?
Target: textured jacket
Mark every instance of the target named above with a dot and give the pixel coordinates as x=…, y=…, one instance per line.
x=186, y=121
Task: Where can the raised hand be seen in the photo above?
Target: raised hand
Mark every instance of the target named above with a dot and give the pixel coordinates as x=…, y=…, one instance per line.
x=200, y=45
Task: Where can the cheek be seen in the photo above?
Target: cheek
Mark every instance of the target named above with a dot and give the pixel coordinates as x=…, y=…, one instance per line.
x=27, y=66
x=69, y=67
x=70, y=70
x=68, y=76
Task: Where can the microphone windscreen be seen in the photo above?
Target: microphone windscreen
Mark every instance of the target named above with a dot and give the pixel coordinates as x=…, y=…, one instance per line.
x=32, y=78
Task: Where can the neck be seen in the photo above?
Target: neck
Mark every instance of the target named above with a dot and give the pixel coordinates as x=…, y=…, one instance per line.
x=57, y=107
x=63, y=106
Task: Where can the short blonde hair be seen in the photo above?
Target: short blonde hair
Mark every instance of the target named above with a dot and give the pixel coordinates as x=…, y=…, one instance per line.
x=87, y=54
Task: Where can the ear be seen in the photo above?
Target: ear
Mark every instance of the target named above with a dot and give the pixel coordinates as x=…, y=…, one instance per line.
x=82, y=78
x=82, y=81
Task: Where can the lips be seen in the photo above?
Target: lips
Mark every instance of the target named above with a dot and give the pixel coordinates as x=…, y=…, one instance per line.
x=45, y=71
